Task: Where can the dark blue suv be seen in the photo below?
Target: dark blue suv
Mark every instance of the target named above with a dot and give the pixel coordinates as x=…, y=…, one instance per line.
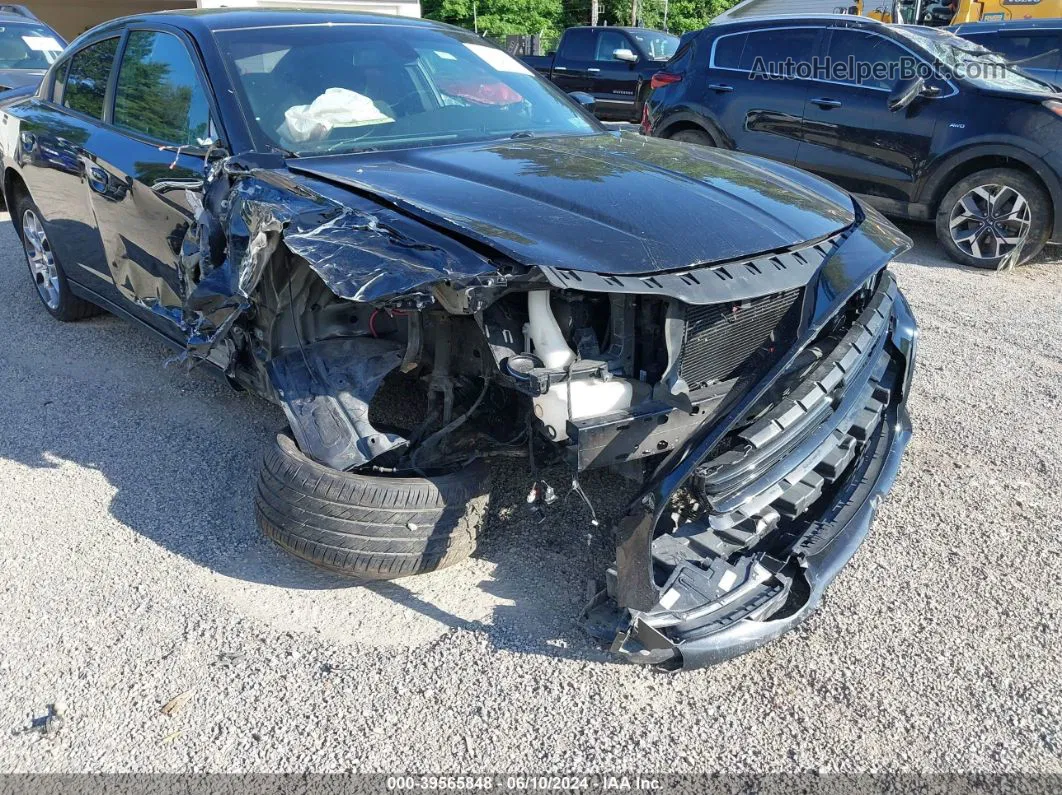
x=916, y=121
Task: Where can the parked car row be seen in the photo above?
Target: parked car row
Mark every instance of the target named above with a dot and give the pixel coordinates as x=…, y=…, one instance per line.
x=966, y=139
x=427, y=213
x=27, y=47
x=614, y=65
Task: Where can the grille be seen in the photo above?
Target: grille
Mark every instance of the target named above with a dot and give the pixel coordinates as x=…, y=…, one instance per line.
x=723, y=339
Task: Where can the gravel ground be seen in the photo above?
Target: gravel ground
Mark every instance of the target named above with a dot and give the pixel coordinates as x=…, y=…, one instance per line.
x=132, y=573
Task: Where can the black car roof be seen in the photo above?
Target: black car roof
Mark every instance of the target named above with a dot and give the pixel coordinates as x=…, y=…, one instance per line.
x=782, y=20
x=208, y=20
x=1006, y=27
x=627, y=28
x=7, y=18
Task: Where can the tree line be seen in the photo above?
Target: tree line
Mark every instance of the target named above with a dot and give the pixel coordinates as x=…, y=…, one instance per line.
x=547, y=18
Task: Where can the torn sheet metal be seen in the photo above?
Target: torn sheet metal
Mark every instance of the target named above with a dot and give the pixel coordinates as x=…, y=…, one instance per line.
x=325, y=389
x=250, y=210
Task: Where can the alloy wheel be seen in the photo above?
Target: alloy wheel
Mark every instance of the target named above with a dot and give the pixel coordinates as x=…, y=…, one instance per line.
x=41, y=259
x=990, y=221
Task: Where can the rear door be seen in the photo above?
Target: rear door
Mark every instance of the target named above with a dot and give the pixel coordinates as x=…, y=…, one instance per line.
x=575, y=57
x=851, y=137
x=756, y=88
x=149, y=173
x=56, y=137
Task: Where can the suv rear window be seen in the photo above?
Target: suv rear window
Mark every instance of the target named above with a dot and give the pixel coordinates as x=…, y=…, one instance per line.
x=775, y=49
x=86, y=79
x=728, y=50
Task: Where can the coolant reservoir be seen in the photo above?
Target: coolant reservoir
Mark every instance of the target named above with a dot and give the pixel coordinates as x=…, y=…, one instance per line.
x=589, y=399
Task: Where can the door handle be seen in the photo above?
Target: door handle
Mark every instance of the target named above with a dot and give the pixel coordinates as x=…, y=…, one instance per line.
x=167, y=185
x=593, y=69
x=98, y=179
x=826, y=103
x=560, y=68
x=721, y=88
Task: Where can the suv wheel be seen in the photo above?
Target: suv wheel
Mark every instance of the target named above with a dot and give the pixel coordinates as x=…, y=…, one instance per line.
x=994, y=219
x=693, y=137
x=44, y=266
x=369, y=526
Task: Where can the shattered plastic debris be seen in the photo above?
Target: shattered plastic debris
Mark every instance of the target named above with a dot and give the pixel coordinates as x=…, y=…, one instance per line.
x=170, y=707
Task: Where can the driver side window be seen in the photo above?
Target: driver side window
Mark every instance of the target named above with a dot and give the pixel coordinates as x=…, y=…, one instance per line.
x=608, y=41
x=877, y=62
x=159, y=93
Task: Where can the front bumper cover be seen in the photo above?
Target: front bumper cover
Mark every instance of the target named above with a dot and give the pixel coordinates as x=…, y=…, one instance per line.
x=707, y=614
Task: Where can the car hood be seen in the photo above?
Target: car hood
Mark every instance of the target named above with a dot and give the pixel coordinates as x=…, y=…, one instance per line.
x=18, y=78
x=609, y=203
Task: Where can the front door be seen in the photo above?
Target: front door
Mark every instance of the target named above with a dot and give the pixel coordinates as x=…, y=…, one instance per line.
x=614, y=83
x=851, y=137
x=149, y=173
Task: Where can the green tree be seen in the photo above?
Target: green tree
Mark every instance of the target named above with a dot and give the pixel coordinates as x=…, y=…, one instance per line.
x=499, y=17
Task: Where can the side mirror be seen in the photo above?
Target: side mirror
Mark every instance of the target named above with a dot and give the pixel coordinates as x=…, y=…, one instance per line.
x=906, y=91
x=587, y=101
x=625, y=55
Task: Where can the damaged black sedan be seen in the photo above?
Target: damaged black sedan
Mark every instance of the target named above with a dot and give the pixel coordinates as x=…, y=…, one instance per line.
x=320, y=207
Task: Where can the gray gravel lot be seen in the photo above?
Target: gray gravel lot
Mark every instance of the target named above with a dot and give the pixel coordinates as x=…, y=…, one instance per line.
x=132, y=572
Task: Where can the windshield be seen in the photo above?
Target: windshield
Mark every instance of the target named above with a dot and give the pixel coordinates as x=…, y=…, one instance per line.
x=315, y=89
x=658, y=46
x=28, y=47
x=970, y=61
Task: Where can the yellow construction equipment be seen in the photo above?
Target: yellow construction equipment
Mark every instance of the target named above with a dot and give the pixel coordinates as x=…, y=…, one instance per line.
x=952, y=12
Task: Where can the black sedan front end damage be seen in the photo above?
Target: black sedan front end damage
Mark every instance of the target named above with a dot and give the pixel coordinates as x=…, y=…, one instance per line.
x=428, y=258
x=764, y=394
x=745, y=525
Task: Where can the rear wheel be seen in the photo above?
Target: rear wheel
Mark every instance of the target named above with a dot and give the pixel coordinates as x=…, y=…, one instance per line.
x=366, y=525
x=995, y=218
x=47, y=273
x=693, y=137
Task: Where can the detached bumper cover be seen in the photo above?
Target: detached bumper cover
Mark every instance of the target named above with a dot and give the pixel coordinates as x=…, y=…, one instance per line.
x=787, y=504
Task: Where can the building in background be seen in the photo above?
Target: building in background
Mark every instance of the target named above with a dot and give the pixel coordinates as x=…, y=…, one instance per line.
x=765, y=8
x=73, y=17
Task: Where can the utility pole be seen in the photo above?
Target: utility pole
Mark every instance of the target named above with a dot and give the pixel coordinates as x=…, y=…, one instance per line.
x=594, y=11
x=634, y=12
x=665, y=13
x=475, y=17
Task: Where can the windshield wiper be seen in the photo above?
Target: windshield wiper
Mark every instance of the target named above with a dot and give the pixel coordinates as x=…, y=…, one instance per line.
x=521, y=134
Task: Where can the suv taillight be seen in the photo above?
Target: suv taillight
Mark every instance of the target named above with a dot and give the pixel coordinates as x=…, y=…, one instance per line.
x=661, y=79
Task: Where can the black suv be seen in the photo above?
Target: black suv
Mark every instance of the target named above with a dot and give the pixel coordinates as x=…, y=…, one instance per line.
x=916, y=121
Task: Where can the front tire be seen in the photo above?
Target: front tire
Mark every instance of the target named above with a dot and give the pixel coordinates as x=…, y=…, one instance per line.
x=995, y=218
x=45, y=269
x=374, y=527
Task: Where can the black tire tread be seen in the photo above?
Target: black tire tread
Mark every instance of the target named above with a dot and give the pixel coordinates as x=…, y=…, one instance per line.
x=368, y=526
